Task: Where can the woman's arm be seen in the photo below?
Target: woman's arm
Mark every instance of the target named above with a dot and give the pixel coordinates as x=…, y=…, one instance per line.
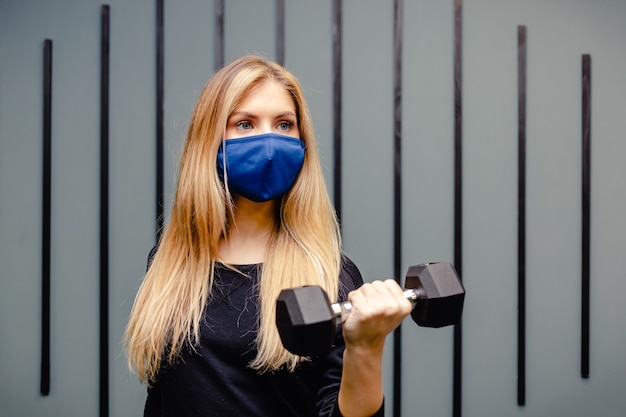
x=377, y=309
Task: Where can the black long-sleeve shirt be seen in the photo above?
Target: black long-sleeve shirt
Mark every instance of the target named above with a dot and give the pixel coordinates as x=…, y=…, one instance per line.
x=213, y=378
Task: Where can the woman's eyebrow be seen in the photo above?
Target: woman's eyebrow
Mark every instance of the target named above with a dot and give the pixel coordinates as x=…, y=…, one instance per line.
x=242, y=113
x=285, y=114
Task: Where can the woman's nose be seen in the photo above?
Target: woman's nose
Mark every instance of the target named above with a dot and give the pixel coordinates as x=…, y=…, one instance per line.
x=265, y=127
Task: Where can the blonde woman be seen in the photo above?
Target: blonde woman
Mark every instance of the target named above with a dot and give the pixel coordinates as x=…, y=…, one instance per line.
x=252, y=216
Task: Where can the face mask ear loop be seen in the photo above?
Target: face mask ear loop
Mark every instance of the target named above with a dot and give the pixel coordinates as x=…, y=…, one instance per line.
x=224, y=173
x=229, y=198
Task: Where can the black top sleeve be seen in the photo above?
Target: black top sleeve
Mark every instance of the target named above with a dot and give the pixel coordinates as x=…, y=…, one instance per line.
x=349, y=279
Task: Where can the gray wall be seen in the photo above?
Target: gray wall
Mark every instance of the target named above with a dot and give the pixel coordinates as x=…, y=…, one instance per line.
x=559, y=32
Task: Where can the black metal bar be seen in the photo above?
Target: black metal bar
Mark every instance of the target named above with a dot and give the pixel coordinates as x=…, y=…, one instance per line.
x=337, y=64
x=586, y=213
x=159, y=119
x=458, y=200
x=46, y=218
x=521, y=216
x=397, y=195
x=104, y=211
x=219, y=33
x=280, y=31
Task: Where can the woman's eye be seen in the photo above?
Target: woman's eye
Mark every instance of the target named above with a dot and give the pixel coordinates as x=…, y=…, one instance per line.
x=284, y=125
x=244, y=125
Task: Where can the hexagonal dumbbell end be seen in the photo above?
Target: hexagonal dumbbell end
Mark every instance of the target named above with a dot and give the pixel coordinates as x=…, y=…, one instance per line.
x=305, y=320
x=440, y=294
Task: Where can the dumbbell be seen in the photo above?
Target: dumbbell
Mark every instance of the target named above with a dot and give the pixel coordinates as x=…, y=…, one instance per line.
x=307, y=321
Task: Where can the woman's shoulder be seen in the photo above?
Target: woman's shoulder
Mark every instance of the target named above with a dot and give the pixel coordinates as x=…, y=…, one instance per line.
x=151, y=254
x=349, y=276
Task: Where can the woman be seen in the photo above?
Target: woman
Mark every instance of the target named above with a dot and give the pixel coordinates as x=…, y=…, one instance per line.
x=252, y=216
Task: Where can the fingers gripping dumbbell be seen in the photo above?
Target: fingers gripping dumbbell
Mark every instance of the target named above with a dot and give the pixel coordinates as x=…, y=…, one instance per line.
x=307, y=321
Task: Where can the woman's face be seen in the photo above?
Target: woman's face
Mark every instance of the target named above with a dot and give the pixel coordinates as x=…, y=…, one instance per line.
x=268, y=108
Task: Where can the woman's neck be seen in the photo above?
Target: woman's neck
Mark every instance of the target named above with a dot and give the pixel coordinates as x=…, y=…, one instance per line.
x=249, y=233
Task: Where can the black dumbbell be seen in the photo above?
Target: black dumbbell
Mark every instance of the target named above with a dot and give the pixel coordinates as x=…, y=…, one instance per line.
x=307, y=321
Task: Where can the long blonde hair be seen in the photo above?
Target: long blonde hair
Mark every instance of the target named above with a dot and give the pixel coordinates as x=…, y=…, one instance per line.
x=305, y=247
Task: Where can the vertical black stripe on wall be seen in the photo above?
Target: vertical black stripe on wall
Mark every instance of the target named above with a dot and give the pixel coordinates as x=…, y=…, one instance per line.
x=397, y=195
x=104, y=212
x=521, y=215
x=280, y=31
x=458, y=202
x=46, y=218
x=159, y=119
x=337, y=69
x=219, y=34
x=586, y=213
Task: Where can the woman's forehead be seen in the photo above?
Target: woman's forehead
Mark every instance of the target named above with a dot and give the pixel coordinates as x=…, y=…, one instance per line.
x=267, y=94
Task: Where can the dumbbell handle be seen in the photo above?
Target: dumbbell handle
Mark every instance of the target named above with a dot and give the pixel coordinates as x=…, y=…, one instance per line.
x=342, y=310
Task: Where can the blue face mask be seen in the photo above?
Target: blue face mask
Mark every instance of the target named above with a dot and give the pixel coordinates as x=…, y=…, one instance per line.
x=262, y=167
